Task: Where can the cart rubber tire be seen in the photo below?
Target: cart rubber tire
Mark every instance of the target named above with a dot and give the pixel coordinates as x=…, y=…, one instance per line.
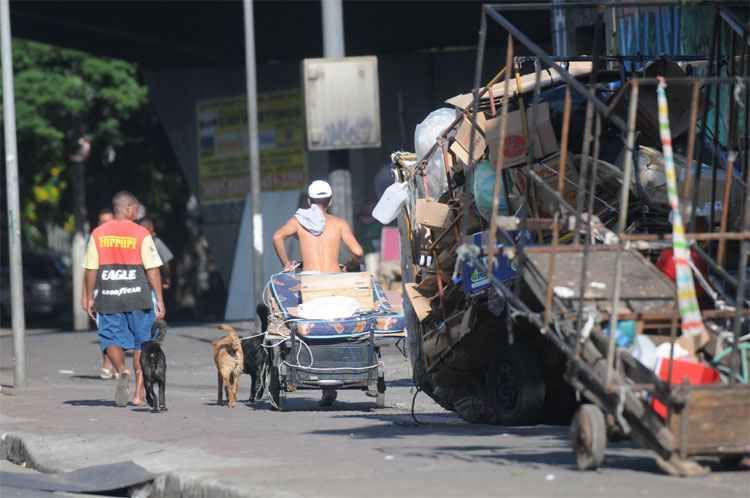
x=518, y=386
x=276, y=389
x=380, y=397
x=588, y=437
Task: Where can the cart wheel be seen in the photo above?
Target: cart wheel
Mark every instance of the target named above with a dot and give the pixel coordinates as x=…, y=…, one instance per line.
x=588, y=437
x=515, y=387
x=277, y=389
x=380, y=397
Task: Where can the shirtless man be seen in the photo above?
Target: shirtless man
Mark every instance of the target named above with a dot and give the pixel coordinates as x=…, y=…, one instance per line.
x=320, y=234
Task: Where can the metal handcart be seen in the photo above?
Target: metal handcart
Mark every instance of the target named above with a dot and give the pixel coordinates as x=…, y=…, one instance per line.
x=326, y=354
x=587, y=275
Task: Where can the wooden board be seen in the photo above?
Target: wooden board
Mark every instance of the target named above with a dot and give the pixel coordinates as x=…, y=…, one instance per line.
x=642, y=287
x=716, y=421
x=356, y=285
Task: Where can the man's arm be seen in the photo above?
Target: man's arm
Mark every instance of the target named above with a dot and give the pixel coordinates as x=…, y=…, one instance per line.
x=154, y=279
x=90, y=266
x=289, y=229
x=351, y=242
x=87, y=300
x=152, y=263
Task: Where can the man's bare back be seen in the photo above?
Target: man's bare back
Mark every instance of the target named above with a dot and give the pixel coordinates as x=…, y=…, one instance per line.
x=321, y=252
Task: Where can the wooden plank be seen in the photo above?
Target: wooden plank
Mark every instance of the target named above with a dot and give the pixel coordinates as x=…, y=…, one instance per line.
x=643, y=287
x=716, y=421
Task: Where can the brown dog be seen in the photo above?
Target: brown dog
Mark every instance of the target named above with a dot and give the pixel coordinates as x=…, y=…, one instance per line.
x=229, y=358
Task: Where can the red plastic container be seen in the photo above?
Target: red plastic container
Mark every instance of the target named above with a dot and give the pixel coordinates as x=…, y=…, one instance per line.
x=695, y=373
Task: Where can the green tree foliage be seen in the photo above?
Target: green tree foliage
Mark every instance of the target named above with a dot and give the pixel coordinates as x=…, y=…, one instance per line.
x=60, y=95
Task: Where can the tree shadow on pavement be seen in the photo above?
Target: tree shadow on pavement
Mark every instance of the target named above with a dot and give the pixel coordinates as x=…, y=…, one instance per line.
x=90, y=402
x=207, y=340
x=536, y=455
x=89, y=377
x=545, y=445
x=398, y=425
x=309, y=403
x=402, y=382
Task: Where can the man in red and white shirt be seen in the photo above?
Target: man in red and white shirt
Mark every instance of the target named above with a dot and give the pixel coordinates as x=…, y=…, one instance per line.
x=123, y=265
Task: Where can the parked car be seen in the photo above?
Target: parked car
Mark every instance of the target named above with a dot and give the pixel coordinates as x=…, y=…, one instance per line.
x=47, y=285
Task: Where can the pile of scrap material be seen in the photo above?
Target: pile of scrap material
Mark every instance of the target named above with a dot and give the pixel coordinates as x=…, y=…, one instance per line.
x=572, y=207
x=454, y=201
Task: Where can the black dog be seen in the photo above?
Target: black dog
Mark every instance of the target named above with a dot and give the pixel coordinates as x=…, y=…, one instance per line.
x=255, y=354
x=154, y=367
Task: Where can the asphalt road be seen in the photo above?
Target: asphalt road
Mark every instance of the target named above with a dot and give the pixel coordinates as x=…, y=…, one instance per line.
x=350, y=449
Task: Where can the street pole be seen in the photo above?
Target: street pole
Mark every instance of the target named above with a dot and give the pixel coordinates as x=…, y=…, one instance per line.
x=333, y=28
x=253, y=154
x=338, y=166
x=78, y=160
x=559, y=30
x=18, y=321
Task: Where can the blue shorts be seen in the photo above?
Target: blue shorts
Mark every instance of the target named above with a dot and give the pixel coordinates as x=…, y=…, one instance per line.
x=127, y=330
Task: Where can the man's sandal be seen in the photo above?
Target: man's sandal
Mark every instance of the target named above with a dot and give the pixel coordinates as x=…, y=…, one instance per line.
x=121, y=389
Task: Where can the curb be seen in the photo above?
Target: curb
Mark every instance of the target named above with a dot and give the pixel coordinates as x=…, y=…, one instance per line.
x=13, y=447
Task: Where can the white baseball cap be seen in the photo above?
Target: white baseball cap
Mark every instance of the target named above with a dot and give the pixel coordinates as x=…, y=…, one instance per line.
x=319, y=189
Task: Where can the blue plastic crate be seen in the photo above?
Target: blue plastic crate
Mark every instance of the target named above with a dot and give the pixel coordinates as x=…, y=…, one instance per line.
x=475, y=281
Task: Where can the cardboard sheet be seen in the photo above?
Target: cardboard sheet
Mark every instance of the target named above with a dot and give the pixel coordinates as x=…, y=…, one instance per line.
x=432, y=214
x=462, y=142
x=516, y=144
x=419, y=302
x=528, y=81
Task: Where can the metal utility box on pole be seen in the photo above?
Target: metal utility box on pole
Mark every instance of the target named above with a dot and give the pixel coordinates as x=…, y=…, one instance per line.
x=253, y=153
x=18, y=321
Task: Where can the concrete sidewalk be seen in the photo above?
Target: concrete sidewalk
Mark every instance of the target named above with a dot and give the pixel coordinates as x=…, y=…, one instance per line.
x=66, y=420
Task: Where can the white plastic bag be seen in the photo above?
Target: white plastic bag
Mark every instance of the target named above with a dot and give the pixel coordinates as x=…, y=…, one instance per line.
x=328, y=308
x=644, y=350
x=389, y=205
x=425, y=136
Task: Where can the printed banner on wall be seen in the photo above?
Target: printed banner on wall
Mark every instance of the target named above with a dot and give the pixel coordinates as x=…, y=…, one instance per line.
x=223, y=151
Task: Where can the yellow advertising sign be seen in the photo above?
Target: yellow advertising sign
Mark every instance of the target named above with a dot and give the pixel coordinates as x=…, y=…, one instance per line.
x=223, y=151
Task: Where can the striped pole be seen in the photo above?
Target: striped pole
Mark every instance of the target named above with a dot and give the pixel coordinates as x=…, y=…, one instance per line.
x=692, y=321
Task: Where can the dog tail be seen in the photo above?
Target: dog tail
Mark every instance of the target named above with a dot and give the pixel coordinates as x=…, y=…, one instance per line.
x=232, y=334
x=228, y=329
x=263, y=312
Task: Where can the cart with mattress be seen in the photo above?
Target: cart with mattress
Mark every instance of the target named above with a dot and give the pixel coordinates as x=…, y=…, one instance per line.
x=325, y=331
